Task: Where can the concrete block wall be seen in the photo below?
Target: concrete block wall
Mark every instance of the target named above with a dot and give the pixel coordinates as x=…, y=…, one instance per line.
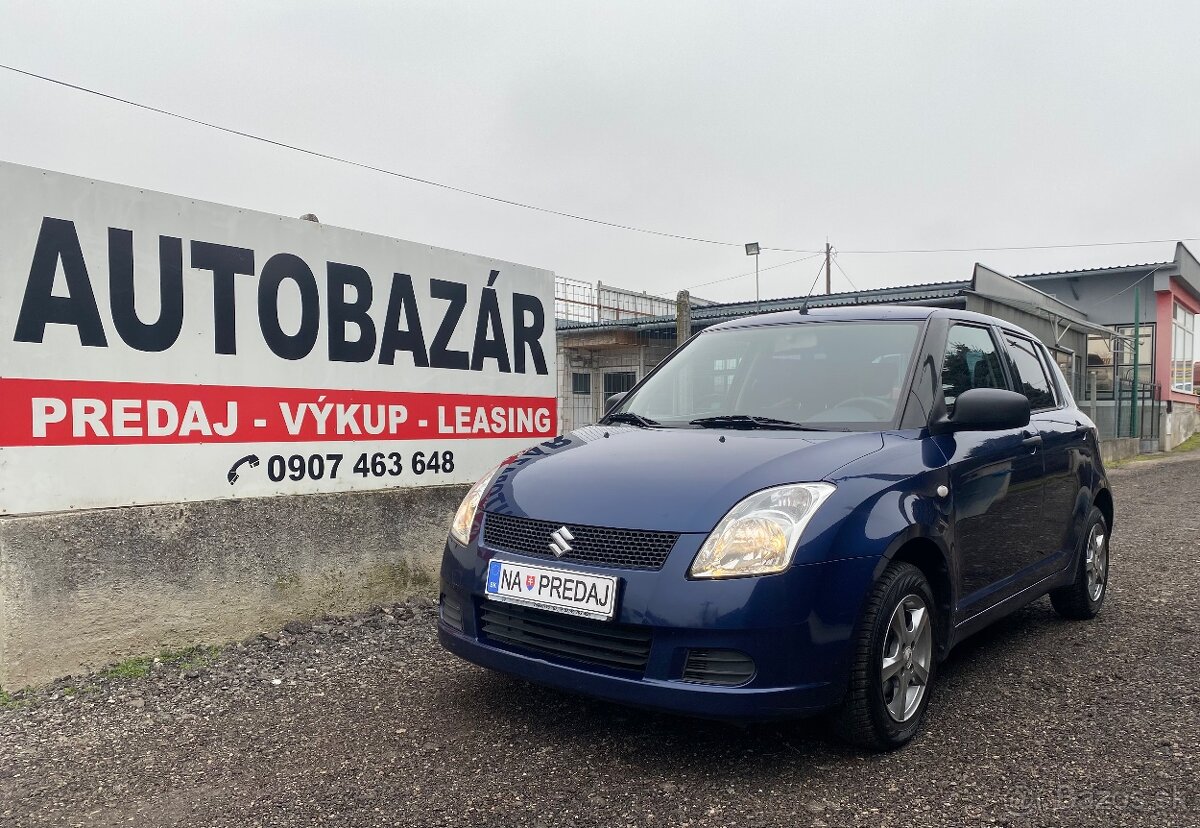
x=1113, y=449
x=1179, y=424
x=82, y=589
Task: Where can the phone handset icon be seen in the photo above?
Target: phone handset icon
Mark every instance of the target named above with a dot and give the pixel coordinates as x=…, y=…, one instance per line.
x=252, y=459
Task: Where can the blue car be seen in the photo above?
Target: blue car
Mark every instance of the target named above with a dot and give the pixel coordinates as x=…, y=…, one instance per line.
x=796, y=513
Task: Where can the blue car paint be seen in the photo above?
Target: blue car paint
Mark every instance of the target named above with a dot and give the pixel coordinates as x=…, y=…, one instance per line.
x=677, y=480
x=799, y=625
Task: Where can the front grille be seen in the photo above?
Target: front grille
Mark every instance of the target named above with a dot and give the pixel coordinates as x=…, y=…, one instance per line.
x=728, y=668
x=625, y=548
x=622, y=646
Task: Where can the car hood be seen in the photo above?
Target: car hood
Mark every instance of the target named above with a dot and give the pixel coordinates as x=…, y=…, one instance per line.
x=677, y=480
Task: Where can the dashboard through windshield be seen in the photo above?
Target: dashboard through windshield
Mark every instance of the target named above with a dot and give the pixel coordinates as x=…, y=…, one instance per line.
x=810, y=376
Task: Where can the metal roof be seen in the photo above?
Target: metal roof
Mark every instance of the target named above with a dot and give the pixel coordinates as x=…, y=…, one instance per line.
x=732, y=310
x=1082, y=270
x=1183, y=270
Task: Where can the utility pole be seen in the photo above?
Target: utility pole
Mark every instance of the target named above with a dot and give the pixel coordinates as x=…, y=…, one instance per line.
x=757, y=295
x=828, y=264
x=752, y=249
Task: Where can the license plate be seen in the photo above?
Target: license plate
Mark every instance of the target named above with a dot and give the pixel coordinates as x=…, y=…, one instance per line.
x=559, y=590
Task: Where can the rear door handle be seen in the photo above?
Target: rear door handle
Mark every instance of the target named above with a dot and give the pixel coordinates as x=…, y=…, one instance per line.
x=1030, y=439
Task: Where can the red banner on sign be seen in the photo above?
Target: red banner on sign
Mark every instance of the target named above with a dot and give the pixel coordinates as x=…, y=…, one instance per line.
x=40, y=412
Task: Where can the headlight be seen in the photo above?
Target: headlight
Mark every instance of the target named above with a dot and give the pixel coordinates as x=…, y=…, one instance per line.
x=464, y=518
x=759, y=535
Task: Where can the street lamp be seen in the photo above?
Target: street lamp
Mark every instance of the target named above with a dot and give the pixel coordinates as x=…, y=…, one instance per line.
x=752, y=250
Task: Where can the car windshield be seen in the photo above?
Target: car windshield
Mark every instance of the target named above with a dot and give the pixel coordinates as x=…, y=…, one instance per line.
x=812, y=376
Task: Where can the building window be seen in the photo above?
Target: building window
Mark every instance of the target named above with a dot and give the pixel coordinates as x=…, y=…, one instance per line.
x=1183, y=349
x=581, y=383
x=617, y=382
x=1068, y=363
x=1110, y=359
x=1099, y=366
x=1123, y=350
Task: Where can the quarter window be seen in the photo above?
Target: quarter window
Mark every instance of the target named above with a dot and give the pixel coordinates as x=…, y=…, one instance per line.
x=1032, y=379
x=971, y=362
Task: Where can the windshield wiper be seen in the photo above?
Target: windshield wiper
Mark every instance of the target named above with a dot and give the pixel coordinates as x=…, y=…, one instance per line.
x=631, y=418
x=747, y=421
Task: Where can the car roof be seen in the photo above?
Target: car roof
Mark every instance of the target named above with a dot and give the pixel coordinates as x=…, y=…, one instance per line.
x=866, y=313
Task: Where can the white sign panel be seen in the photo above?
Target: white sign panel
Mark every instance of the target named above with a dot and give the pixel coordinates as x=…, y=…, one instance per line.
x=157, y=349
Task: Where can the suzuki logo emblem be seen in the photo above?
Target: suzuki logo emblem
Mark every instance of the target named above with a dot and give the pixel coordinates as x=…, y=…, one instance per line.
x=560, y=541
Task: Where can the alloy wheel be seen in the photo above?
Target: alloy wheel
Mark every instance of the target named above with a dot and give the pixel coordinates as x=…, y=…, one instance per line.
x=907, y=658
x=1096, y=562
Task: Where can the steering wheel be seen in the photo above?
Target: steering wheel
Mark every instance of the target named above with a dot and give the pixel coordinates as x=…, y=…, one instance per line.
x=885, y=408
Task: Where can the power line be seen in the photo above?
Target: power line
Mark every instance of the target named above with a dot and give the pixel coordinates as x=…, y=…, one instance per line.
x=361, y=165
x=537, y=208
x=751, y=272
x=1134, y=284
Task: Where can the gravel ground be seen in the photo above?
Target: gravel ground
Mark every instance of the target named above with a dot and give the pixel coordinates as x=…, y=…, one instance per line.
x=365, y=721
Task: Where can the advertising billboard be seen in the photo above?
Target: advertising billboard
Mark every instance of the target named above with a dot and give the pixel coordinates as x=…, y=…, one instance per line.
x=157, y=349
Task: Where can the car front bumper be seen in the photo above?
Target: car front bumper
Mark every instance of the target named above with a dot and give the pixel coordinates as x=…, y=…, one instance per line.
x=796, y=626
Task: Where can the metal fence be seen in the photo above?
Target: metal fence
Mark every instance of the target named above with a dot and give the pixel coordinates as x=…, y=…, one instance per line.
x=1122, y=408
x=1138, y=409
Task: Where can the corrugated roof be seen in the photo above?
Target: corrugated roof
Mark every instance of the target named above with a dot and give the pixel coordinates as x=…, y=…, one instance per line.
x=902, y=293
x=1077, y=271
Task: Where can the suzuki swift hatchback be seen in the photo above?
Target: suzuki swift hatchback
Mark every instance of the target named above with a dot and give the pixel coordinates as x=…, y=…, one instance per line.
x=795, y=513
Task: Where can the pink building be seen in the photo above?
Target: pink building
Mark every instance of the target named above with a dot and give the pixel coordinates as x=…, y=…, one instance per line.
x=1166, y=296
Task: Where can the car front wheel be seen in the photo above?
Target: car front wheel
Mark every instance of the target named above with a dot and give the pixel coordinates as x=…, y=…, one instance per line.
x=894, y=662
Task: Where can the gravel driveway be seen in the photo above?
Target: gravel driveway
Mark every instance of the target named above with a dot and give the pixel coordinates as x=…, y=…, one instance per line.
x=366, y=721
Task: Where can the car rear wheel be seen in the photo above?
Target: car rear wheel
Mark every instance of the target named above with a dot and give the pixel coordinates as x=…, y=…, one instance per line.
x=894, y=662
x=1083, y=598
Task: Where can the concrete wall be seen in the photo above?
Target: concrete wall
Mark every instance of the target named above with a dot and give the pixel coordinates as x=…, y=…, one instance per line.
x=1119, y=448
x=1178, y=424
x=82, y=589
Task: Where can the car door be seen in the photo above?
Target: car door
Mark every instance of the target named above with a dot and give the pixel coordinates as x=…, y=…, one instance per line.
x=996, y=477
x=1064, y=439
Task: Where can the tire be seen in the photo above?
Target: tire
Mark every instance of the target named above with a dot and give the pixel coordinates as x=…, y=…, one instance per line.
x=1082, y=598
x=868, y=713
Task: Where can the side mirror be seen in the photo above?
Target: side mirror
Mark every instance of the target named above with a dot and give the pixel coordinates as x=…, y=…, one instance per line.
x=986, y=409
x=614, y=400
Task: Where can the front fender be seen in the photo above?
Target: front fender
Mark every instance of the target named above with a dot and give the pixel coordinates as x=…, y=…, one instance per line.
x=895, y=512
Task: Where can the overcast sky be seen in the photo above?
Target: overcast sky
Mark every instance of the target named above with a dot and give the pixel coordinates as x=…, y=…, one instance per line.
x=888, y=125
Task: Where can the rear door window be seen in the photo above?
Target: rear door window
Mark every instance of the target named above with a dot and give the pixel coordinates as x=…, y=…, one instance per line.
x=1032, y=379
x=972, y=361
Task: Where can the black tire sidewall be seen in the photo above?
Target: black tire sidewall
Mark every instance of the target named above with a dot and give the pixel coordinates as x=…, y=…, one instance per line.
x=910, y=581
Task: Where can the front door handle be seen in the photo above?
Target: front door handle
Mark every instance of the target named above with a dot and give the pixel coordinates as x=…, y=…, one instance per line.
x=1030, y=439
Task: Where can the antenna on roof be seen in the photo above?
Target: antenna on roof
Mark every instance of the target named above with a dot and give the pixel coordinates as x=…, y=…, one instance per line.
x=807, y=296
